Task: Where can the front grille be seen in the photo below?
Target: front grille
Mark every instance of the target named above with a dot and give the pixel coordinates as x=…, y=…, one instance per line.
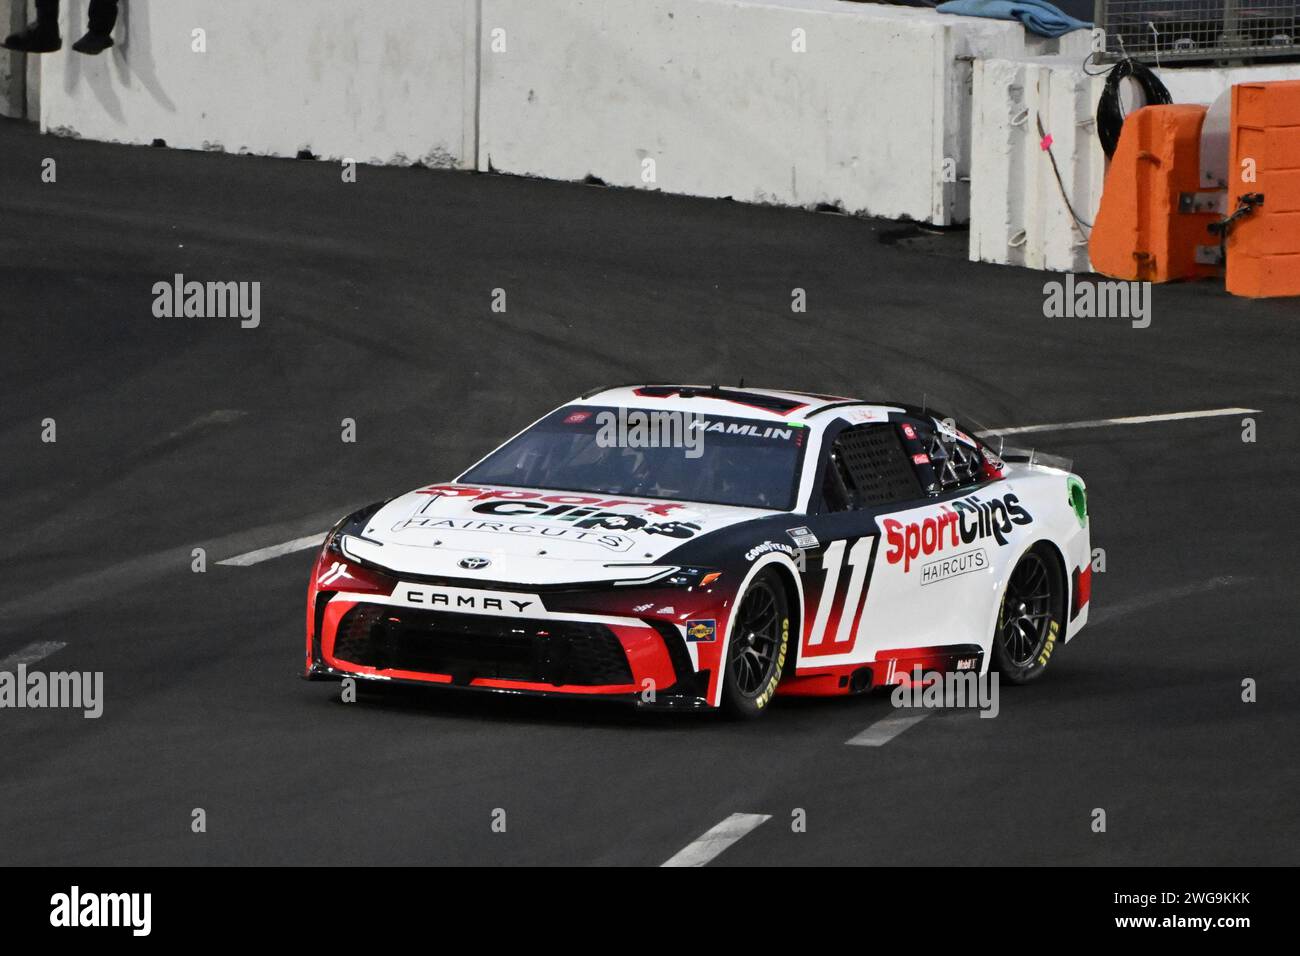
x=470, y=646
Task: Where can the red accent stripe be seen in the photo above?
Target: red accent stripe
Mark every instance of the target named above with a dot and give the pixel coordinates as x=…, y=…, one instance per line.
x=647, y=656
x=1083, y=593
x=794, y=406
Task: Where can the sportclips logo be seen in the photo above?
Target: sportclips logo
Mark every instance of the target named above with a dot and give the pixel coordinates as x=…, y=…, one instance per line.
x=587, y=512
x=959, y=523
x=573, y=501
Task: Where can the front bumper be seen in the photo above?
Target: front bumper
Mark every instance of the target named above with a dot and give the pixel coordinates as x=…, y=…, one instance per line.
x=644, y=662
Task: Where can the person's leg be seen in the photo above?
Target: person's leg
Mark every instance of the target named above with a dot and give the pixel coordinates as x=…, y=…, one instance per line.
x=103, y=17
x=47, y=14
x=43, y=35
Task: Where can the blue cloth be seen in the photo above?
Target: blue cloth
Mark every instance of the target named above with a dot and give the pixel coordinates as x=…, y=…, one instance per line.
x=1039, y=16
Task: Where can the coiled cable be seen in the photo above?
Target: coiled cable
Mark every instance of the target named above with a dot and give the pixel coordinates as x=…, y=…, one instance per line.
x=1110, y=111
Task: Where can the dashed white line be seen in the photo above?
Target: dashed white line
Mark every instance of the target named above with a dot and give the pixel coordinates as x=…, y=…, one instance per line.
x=883, y=731
x=275, y=551
x=31, y=654
x=708, y=846
x=1131, y=420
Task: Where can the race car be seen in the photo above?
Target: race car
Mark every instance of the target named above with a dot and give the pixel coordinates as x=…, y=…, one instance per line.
x=710, y=547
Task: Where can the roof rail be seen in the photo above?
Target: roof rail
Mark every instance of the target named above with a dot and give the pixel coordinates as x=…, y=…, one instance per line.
x=610, y=388
x=832, y=406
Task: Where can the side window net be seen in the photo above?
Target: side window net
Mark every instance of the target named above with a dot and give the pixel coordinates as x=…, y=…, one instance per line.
x=955, y=463
x=874, y=466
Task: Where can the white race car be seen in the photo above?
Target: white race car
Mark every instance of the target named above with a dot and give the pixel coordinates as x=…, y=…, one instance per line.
x=783, y=543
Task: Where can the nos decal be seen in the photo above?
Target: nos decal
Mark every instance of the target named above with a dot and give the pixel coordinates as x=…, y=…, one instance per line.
x=843, y=595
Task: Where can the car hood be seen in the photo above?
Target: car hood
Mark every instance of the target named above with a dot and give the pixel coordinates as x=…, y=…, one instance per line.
x=532, y=535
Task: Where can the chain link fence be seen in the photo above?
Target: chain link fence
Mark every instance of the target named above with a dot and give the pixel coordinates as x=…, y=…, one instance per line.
x=1166, y=30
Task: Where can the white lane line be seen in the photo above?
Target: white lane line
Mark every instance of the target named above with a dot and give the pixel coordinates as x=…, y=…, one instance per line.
x=275, y=551
x=1131, y=420
x=31, y=654
x=883, y=731
x=708, y=846
x=1108, y=612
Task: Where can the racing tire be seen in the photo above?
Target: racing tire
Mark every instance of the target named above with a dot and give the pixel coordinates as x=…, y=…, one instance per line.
x=1029, y=617
x=756, y=653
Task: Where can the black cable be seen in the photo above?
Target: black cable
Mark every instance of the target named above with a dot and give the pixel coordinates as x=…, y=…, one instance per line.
x=1079, y=223
x=1102, y=72
x=1110, y=114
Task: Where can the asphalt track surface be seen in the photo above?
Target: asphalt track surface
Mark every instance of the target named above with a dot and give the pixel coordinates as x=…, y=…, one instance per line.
x=174, y=434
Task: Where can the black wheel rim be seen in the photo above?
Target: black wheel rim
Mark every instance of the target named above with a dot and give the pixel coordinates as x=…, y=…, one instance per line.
x=755, y=640
x=1026, y=611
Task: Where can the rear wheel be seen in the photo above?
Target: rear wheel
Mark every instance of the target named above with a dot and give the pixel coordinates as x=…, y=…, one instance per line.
x=759, y=642
x=1029, y=620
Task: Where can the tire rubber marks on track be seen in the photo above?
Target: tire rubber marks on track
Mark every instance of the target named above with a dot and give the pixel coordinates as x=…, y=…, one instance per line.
x=708, y=846
x=31, y=654
x=1149, y=599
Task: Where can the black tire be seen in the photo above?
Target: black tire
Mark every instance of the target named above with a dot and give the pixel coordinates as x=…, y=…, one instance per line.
x=756, y=653
x=1030, y=617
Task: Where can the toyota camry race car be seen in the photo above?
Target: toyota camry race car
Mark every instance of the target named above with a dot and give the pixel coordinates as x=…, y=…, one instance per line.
x=710, y=547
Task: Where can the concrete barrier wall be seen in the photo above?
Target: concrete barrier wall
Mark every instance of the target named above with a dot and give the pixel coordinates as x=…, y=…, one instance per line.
x=879, y=110
x=13, y=84
x=1018, y=213
x=796, y=102
x=376, y=82
x=718, y=95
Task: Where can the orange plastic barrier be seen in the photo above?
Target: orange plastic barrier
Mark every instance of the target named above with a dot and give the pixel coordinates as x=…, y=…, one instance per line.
x=1264, y=246
x=1139, y=232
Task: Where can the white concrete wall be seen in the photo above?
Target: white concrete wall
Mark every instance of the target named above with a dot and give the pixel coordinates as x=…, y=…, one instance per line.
x=33, y=91
x=873, y=118
x=1018, y=215
x=13, y=13
x=381, y=82
x=713, y=92
x=1205, y=85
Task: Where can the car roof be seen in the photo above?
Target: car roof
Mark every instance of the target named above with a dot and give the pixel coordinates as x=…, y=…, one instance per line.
x=766, y=404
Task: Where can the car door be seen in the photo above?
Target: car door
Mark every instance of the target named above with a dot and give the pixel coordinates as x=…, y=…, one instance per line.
x=908, y=535
x=936, y=578
x=864, y=473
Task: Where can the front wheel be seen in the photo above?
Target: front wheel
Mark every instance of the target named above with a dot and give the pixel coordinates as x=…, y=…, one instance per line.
x=1029, y=618
x=756, y=653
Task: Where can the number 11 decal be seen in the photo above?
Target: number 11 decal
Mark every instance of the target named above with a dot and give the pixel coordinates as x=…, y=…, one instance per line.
x=842, y=614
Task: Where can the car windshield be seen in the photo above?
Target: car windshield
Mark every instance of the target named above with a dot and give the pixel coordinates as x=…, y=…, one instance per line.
x=652, y=454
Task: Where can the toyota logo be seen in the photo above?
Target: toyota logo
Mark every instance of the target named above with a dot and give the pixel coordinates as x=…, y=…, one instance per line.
x=474, y=564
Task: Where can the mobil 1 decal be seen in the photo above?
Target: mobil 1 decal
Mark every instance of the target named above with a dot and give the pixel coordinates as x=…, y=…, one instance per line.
x=953, y=540
x=845, y=580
